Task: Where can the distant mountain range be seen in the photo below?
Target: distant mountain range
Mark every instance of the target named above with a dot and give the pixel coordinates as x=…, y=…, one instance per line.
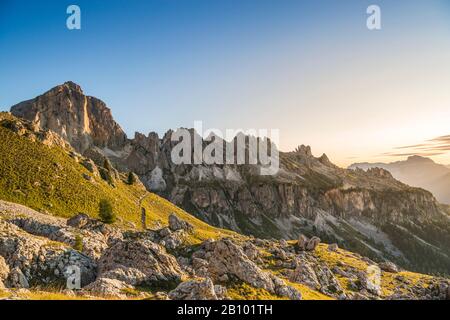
x=418, y=172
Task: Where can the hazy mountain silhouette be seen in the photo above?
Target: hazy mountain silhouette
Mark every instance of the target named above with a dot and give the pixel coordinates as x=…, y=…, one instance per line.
x=418, y=172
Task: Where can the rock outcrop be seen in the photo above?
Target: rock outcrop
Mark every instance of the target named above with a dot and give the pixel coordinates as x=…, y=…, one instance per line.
x=306, y=244
x=202, y=289
x=389, y=267
x=223, y=260
x=149, y=258
x=176, y=224
x=109, y=288
x=37, y=261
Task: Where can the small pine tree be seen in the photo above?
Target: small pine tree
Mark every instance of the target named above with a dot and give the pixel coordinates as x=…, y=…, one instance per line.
x=78, y=243
x=106, y=212
x=131, y=178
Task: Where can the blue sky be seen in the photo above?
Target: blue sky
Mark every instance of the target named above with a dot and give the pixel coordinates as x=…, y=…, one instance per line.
x=309, y=68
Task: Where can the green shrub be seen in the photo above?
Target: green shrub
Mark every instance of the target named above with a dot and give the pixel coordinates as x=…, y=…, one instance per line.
x=131, y=178
x=106, y=212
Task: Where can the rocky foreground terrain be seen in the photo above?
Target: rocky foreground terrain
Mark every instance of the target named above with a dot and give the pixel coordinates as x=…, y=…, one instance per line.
x=368, y=212
x=36, y=254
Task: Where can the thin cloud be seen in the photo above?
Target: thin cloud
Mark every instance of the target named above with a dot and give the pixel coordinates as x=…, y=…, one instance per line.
x=408, y=154
x=432, y=147
x=412, y=146
x=441, y=139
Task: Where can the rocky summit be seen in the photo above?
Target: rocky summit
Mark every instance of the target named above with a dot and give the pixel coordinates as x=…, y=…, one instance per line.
x=81, y=120
x=133, y=224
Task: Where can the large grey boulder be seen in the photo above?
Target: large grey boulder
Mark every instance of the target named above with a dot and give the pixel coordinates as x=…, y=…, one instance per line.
x=302, y=242
x=200, y=289
x=131, y=276
x=388, y=267
x=304, y=273
x=16, y=279
x=108, y=288
x=175, y=223
x=149, y=258
x=312, y=243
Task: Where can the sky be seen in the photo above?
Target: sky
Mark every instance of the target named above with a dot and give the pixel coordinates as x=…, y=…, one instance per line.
x=310, y=68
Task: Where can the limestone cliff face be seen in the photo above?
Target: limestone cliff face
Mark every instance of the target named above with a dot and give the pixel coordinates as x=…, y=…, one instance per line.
x=82, y=120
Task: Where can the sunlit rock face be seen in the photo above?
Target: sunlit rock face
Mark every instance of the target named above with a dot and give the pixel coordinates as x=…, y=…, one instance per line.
x=82, y=120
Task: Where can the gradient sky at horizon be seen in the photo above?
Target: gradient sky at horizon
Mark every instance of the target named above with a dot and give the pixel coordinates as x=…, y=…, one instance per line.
x=309, y=68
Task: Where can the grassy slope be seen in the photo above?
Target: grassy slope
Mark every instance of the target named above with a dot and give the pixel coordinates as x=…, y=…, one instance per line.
x=47, y=179
x=389, y=281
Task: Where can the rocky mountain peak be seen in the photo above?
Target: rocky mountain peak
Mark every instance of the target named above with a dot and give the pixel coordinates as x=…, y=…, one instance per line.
x=72, y=86
x=380, y=172
x=84, y=121
x=304, y=150
x=416, y=158
x=325, y=160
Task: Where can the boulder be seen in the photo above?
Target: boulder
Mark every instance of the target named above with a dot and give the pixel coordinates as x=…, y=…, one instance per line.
x=108, y=288
x=87, y=177
x=304, y=273
x=328, y=282
x=175, y=223
x=368, y=282
x=16, y=279
x=251, y=251
x=147, y=257
x=173, y=240
x=312, y=243
x=202, y=289
x=131, y=276
x=333, y=247
x=79, y=220
x=284, y=290
x=388, y=267
x=225, y=257
x=302, y=242
x=90, y=166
